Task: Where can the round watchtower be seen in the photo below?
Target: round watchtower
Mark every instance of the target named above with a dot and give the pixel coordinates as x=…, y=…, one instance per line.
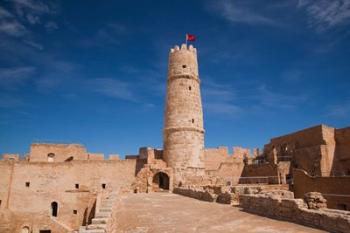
x=183, y=125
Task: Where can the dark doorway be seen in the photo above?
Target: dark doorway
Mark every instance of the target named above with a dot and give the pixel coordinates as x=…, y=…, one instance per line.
x=54, y=209
x=342, y=207
x=161, y=181
x=45, y=231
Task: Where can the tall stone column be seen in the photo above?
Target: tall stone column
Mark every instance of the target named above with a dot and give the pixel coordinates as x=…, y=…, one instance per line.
x=183, y=124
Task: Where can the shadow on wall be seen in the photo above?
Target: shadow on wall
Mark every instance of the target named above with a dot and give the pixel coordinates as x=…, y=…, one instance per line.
x=139, y=165
x=89, y=216
x=341, y=159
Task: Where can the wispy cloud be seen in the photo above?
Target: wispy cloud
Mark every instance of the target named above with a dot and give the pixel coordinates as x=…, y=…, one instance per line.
x=107, y=35
x=292, y=75
x=4, y=13
x=33, y=44
x=59, y=72
x=266, y=97
x=339, y=110
x=224, y=108
x=226, y=100
x=17, y=23
x=113, y=88
x=51, y=26
x=241, y=12
x=219, y=99
x=12, y=28
x=9, y=101
x=325, y=14
x=32, y=11
x=11, y=78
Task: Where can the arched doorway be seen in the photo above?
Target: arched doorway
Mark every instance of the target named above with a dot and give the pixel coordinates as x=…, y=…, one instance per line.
x=160, y=181
x=54, y=209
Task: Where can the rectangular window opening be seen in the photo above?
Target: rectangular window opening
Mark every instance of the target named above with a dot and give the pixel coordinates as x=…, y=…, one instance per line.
x=77, y=186
x=75, y=211
x=27, y=184
x=104, y=186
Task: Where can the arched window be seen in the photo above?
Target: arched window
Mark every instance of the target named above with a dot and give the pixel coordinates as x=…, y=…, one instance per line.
x=51, y=157
x=54, y=209
x=25, y=229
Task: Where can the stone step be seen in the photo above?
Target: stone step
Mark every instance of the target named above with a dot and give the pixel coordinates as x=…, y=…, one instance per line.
x=107, y=201
x=96, y=226
x=105, y=210
x=93, y=231
x=103, y=215
x=99, y=220
x=106, y=204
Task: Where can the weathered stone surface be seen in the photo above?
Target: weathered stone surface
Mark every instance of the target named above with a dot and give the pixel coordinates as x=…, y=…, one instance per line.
x=315, y=200
x=165, y=212
x=295, y=210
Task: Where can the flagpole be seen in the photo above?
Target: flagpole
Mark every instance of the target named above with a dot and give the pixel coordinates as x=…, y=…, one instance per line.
x=186, y=39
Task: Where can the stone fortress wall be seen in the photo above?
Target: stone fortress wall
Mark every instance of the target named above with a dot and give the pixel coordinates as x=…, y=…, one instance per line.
x=70, y=178
x=28, y=188
x=318, y=156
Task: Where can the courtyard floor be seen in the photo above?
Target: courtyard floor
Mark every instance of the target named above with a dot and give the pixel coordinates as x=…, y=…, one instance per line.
x=169, y=213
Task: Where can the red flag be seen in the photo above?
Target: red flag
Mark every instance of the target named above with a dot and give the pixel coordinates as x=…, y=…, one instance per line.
x=190, y=37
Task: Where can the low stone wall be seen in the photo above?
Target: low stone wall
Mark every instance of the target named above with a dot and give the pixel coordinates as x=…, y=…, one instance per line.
x=197, y=193
x=230, y=195
x=296, y=210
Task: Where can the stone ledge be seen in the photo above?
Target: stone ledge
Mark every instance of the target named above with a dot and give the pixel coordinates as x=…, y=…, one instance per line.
x=184, y=129
x=185, y=76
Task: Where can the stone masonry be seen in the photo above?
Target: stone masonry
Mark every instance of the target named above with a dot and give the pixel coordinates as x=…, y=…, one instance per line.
x=183, y=124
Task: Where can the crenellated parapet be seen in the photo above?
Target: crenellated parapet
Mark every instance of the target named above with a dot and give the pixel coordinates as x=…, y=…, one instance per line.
x=183, y=63
x=183, y=47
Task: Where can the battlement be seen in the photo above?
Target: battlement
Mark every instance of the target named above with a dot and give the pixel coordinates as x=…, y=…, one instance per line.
x=183, y=47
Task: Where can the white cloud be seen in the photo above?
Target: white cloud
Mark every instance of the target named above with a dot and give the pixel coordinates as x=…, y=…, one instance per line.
x=59, y=73
x=36, y=7
x=292, y=76
x=33, y=19
x=112, y=88
x=325, y=14
x=223, y=108
x=9, y=101
x=219, y=99
x=12, y=28
x=241, y=12
x=33, y=44
x=11, y=78
x=339, y=110
x=273, y=99
x=4, y=13
x=107, y=35
x=51, y=26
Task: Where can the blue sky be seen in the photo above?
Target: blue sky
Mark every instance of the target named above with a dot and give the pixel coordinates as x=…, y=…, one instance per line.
x=94, y=72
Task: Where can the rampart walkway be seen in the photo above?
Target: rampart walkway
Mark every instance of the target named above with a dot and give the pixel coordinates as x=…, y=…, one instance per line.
x=170, y=213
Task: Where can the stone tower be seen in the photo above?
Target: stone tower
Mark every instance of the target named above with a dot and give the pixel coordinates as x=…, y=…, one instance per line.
x=183, y=124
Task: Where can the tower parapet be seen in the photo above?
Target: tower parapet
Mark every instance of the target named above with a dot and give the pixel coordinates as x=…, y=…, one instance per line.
x=183, y=123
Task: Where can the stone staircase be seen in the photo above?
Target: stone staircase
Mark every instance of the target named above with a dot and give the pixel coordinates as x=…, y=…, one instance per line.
x=102, y=216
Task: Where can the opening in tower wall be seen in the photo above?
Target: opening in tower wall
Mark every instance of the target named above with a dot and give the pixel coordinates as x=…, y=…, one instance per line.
x=160, y=182
x=54, y=209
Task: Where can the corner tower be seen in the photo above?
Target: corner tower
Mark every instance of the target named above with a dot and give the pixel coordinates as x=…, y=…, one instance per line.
x=183, y=135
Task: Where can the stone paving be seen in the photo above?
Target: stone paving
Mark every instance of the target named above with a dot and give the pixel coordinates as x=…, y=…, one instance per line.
x=169, y=213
